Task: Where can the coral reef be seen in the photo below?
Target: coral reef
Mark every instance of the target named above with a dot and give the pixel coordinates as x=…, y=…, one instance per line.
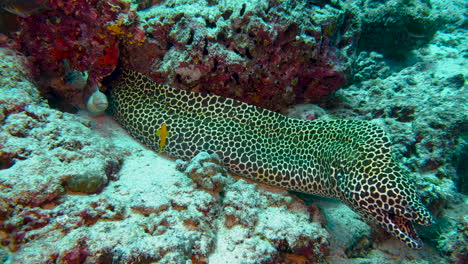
x=77, y=189
x=282, y=228
x=274, y=224
x=266, y=53
x=453, y=13
x=452, y=242
x=141, y=209
x=429, y=124
x=44, y=152
x=396, y=27
x=369, y=65
x=82, y=36
x=424, y=108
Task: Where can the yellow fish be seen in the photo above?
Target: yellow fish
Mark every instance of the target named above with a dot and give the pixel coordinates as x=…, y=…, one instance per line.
x=162, y=133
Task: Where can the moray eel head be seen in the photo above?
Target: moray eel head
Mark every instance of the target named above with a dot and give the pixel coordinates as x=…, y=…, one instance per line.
x=390, y=198
x=375, y=186
x=398, y=219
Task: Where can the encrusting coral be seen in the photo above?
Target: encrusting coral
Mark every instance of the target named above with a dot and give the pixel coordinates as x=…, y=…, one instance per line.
x=207, y=171
x=266, y=53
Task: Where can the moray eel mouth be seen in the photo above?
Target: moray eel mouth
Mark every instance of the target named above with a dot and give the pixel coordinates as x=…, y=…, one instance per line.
x=404, y=230
x=401, y=226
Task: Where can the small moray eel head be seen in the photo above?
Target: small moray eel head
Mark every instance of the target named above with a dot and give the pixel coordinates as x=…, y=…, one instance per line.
x=391, y=199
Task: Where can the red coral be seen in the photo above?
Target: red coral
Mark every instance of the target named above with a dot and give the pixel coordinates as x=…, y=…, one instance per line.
x=109, y=59
x=74, y=31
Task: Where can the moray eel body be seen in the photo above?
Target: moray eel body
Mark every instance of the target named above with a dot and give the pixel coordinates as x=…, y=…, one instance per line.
x=343, y=159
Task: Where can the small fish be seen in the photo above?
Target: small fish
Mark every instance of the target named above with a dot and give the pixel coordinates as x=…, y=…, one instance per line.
x=74, y=78
x=162, y=133
x=23, y=8
x=97, y=103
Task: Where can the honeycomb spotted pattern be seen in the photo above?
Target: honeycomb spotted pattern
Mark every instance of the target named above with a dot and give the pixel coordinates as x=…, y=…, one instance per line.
x=348, y=160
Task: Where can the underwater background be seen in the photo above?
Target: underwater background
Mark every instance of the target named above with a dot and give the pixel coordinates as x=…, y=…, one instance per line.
x=76, y=188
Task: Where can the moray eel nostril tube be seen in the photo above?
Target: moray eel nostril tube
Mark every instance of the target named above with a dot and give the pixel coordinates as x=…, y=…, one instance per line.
x=347, y=160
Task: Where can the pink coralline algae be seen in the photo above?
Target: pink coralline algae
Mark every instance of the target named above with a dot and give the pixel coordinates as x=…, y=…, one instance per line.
x=82, y=36
x=267, y=53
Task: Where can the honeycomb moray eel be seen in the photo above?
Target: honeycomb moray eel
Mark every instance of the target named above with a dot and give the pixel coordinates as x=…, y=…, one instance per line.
x=348, y=160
